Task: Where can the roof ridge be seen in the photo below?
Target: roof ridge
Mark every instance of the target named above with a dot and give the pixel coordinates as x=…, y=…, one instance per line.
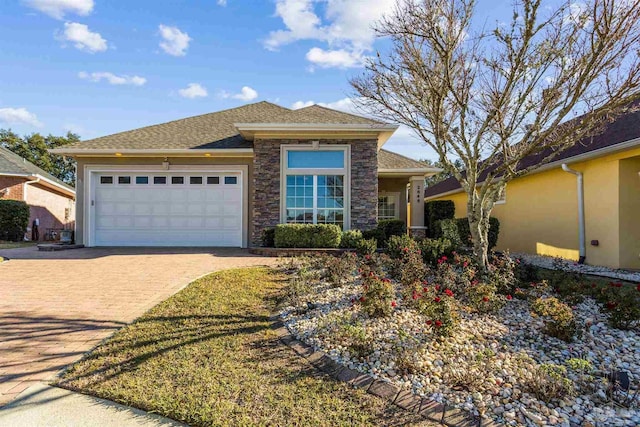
x=338, y=111
x=190, y=117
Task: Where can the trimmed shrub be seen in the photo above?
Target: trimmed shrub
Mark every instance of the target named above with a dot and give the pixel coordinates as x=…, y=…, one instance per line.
x=447, y=229
x=350, y=239
x=268, y=237
x=465, y=232
x=397, y=244
x=437, y=210
x=434, y=249
x=307, y=236
x=366, y=246
x=14, y=220
x=385, y=229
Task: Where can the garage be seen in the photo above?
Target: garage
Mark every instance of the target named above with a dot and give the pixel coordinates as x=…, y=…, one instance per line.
x=150, y=208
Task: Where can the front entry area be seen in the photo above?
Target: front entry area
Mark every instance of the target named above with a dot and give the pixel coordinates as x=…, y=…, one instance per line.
x=166, y=208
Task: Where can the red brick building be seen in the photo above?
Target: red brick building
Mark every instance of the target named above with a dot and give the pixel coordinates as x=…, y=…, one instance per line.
x=51, y=201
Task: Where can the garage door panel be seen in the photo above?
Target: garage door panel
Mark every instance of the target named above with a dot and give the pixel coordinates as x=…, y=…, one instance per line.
x=168, y=214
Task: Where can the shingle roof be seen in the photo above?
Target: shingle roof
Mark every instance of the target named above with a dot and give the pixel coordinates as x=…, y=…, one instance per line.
x=11, y=163
x=625, y=128
x=319, y=114
x=215, y=130
x=391, y=160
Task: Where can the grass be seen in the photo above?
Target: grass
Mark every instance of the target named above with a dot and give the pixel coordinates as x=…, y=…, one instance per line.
x=12, y=245
x=207, y=356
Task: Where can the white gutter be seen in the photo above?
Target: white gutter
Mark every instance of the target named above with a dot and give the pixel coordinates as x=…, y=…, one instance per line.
x=195, y=152
x=581, y=228
x=26, y=184
x=42, y=180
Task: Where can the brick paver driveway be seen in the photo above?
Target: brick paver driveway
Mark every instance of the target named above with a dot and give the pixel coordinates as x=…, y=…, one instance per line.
x=55, y=306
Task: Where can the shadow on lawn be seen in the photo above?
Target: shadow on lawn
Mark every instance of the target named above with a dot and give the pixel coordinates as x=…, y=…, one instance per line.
x=184, y=331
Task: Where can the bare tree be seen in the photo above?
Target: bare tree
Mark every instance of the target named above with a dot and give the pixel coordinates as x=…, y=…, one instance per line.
x=495, y=97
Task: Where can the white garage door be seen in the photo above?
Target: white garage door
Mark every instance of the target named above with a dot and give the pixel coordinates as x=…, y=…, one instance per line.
x=167, y=209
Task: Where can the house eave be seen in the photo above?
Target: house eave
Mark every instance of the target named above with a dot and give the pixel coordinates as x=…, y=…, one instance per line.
x=401, y=173
x=193, y=152
x=42, y=180
x=381, y=132
x=558, y=163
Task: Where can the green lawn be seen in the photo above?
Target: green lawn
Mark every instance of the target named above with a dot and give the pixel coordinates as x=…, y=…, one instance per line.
x=207, y=356
x=12, y=245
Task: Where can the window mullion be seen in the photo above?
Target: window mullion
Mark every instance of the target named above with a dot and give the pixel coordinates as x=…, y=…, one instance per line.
x=315, y=199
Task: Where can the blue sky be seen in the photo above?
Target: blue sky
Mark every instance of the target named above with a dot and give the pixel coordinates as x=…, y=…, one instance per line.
x=97, y=67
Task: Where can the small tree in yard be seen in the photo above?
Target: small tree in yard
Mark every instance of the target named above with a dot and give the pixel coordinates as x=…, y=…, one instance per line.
x=494, y=98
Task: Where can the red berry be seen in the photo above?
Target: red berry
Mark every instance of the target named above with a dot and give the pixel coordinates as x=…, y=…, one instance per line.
x=485, y=299
x=509, y=297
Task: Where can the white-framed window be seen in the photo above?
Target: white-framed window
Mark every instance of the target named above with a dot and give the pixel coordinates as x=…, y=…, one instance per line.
x=315, y=184
x=388, y=206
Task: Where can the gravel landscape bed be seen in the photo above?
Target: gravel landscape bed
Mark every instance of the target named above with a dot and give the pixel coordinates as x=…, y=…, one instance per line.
x=488, y=364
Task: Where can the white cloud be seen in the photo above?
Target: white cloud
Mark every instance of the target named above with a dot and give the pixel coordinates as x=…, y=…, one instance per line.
x=246, y=94
x=16, y=116
x=58, y=8
x=346, y=104
x=222, y=2
x=175, y=42
x=340, y=58
x=113, y=78
x=193, y=90
x=82, y=38
x=346, y=27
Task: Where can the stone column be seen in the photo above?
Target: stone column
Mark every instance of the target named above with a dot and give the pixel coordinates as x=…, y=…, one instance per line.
x=416, y=198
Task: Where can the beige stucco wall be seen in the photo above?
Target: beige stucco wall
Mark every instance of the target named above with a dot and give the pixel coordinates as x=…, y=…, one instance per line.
x=541, y=212
x=175, y=162
x=630, y=212
x=396, y=185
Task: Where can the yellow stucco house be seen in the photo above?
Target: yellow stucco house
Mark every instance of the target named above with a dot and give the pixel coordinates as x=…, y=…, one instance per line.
x=541, y=211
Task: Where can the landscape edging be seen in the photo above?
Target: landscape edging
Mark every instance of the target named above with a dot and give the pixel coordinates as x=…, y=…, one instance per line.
x=404, y=399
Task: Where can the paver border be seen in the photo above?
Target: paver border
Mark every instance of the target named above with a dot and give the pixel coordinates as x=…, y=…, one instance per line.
x=404, y=399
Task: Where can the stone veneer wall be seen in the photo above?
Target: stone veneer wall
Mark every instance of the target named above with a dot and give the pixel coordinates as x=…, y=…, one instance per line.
x=266, y=183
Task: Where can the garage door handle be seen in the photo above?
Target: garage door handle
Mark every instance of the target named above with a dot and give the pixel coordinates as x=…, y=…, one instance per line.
x=93, y=203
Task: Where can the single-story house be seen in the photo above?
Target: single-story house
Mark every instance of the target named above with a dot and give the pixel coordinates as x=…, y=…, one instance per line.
x=220, y=179
x=543, y=213
x=50, y=200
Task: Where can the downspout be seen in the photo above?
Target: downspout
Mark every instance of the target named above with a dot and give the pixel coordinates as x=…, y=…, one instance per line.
x=26, y=184
x=581, y=228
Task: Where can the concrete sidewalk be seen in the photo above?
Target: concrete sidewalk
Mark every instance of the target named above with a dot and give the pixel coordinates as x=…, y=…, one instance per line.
x=44, y=406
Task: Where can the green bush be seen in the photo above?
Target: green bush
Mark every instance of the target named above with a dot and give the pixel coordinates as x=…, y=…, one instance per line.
x=397, y=244
x=14, y=220
x=385, y=229
x=366, y=246
x=437, y=210
x=350, y=239
x=465, y=232
x=307, y=236
x=559, y=319
x=268, y=237
x=434, y=249
x=447, y=229
x=377, y=298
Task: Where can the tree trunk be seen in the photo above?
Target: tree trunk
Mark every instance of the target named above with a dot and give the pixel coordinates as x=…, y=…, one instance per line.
x=478, y=216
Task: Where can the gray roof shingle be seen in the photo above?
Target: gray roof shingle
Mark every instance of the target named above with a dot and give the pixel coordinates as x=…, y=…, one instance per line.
x=215, y=130
x=391, y=160
x=11, y=163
